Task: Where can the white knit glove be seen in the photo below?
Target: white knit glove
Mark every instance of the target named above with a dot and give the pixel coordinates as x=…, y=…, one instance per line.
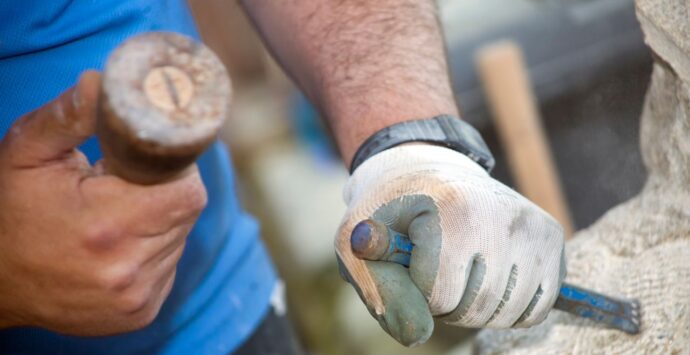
x=484, y=256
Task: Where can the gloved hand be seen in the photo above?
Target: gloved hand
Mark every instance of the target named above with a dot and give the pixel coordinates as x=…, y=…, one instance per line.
x=484, y=256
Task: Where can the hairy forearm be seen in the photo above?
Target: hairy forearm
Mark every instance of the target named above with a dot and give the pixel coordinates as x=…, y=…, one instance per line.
x=364, y=64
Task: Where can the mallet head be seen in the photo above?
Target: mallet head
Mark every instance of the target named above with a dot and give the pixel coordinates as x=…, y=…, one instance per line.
x=164, y=99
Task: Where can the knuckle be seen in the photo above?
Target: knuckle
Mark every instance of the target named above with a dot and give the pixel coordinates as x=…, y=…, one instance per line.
x=146, y=316
x=139, y=320
x=100, y=236
x=198, y=197
x=134, y=302
x=119, y=277
x=142, y=308
x=194, y=194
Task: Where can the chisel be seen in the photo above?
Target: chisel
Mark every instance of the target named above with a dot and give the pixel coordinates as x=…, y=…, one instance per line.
x=372, y=240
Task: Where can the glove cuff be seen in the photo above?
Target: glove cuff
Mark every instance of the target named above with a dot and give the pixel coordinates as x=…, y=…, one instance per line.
x=444, y=130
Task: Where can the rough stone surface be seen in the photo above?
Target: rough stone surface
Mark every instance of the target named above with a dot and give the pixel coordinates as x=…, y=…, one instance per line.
x=666, y=26
x=641, y=248
x=671, y=16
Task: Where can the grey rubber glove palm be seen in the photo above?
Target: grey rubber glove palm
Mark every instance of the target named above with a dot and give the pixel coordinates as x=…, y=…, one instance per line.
x=484, y=255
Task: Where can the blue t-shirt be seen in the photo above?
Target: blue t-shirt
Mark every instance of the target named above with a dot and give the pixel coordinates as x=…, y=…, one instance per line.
x=225, y=278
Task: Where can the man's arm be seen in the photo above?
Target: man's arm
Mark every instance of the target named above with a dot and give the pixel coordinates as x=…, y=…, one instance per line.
x=484, y=256
x=365, y=64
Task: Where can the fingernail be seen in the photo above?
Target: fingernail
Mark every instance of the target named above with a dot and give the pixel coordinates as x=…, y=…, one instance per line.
x=58, y=111
x=77, y=100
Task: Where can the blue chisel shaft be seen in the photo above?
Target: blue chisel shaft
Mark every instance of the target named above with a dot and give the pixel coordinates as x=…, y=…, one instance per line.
x=372, y=240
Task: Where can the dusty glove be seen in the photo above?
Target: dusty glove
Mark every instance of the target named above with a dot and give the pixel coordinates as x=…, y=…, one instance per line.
x=484, y=256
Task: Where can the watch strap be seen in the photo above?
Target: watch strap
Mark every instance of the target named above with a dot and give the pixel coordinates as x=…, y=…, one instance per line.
x=444, y=130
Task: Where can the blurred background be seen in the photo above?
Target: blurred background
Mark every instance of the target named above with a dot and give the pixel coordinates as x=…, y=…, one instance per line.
x=588, y=68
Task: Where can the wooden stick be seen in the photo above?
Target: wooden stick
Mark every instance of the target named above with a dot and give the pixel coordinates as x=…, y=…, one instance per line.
x=507, y=87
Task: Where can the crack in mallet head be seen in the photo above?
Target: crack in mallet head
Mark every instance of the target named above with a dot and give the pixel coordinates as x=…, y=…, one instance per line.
x=164, y=98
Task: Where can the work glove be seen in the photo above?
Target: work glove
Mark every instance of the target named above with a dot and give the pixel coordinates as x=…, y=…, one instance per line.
x=484, y=256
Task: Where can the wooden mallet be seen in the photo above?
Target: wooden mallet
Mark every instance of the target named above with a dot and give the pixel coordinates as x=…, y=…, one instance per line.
x=164, y=98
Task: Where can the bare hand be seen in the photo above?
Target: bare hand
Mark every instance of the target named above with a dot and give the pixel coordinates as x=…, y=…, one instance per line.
x=83, y=252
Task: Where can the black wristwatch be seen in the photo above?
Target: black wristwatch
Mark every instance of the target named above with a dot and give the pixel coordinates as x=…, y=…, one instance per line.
x=444, y=130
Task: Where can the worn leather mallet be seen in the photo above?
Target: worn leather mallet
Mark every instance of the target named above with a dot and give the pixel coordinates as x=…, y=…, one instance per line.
x=164, y=97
